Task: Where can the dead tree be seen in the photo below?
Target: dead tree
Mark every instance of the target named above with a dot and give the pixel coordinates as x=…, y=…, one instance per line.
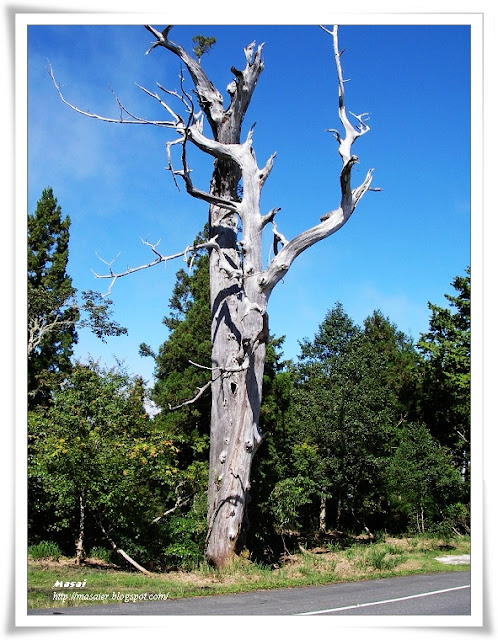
x=240, y=286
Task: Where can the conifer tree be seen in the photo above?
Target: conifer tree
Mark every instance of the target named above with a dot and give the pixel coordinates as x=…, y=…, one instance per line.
x=349, y=400
x=188, y=342
x=51, y=317
x=54, y=312
x=446, y=395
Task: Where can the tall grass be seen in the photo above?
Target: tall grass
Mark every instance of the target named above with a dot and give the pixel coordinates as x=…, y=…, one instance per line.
x=44, y=551
x=380, y=557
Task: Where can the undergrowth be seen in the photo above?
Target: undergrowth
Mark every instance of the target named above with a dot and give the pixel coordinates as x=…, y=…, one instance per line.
x=321, y=565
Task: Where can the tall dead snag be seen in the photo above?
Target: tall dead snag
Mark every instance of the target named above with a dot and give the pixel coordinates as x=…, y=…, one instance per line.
x=240, y=287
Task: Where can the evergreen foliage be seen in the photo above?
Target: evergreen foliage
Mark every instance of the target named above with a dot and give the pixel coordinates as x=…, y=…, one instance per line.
x=54, y=312
x=423, y=484
x=446, y=386
x=51, y=314
x=202, y=45
x=348, y=403
x=177, y=379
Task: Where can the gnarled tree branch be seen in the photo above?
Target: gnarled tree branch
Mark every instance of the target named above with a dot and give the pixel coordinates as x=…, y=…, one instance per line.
x=132, y=118
x=333, y=220
x=210, y=98
x=210, y=244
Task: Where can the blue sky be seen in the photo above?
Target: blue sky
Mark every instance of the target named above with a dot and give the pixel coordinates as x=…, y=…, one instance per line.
x=401, y=248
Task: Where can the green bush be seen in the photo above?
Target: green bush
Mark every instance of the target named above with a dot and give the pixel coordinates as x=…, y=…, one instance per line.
x=287, y=500
x=185, y=555
x=186, y=533
x=44, y=551
x=456, y=520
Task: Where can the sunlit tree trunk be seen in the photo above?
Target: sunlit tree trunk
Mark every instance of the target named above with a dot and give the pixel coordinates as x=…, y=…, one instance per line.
x=81, y=530
x=238, y=356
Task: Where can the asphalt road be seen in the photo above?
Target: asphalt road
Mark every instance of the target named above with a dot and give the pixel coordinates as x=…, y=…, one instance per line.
x=437, y=594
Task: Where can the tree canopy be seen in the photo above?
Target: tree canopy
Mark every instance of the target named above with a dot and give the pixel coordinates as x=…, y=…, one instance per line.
x=96, y=451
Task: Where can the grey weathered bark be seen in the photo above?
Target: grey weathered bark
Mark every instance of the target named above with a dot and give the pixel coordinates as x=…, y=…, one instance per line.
x=81, y=531
x=239, y=328
x=239, y=285
x=323, y=513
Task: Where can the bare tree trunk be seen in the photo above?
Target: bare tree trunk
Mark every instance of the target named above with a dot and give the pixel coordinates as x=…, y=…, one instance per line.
x=239, y=334
x=235, y=438
x=323, y=513
x=81, y=531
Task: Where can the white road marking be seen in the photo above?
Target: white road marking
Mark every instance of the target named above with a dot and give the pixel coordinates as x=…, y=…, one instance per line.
x=372, y=604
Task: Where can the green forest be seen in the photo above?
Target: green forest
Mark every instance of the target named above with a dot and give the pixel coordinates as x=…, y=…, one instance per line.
x=367, y=431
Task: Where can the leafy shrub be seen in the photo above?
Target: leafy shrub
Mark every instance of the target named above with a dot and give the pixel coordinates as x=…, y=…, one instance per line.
x=423, y=482
x=456, y=520
x=187, y=533
x=44, y=551
x=186, y=555
x=287, y=499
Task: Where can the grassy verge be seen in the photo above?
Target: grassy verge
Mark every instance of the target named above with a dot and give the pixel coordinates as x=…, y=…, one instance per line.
x=107, y=584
